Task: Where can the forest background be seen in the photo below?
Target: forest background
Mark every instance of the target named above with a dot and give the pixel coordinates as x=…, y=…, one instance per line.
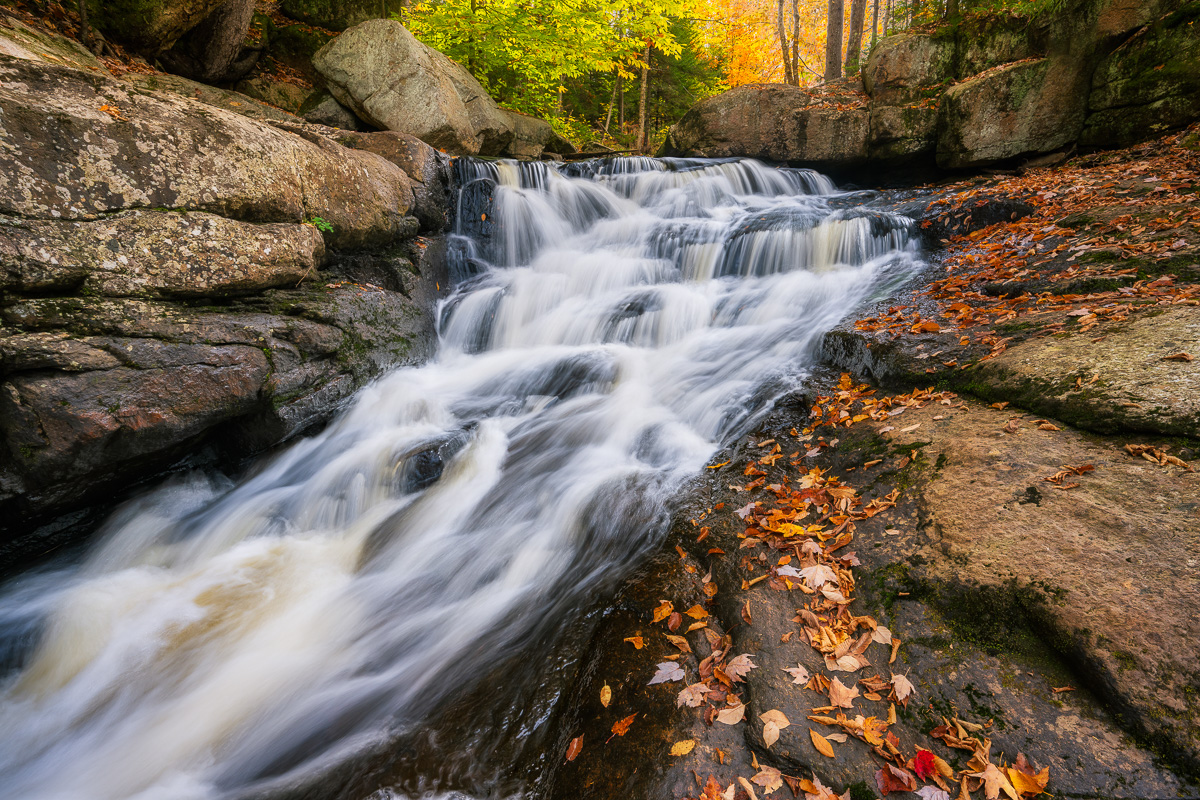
x=618, y=74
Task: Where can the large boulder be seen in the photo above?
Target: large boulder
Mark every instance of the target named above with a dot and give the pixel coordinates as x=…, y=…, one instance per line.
x=772, y=122
x=1029, y=107
x=1149, y=85
x=428, y=172
x=155, y=151
x=533, y=136
x=907, y=67
x=150, y=26
x=389, y=79
x=213, y=50
x=338, y=15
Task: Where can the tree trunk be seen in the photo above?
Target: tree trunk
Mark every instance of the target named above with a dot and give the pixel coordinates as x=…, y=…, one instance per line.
x=796, y=41
x=642, y=118
x=858, y=14
x=783, y=46
x=874, y=22
x=621, y=104
x=833, y=40
x=611, y=103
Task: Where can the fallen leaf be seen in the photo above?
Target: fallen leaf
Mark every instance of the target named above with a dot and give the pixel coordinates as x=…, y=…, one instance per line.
x=770, y=733
x=902, y=687
x=662, y=611
x=692, y=696
x=1178, y=357
x=821, y=743
x=893, y=779
x=776, y=716
x=841, y=695
x=621, y=727
x=769, y=778
x=636, y=641
x=574, y=748
x=995, y=781
x=683, y=748
x=605, y=695
x=696, y=612
x=732, y=715
x=799, y=674
x=739, y=667
x=667, y=671
x=923, y=764
x=1046, y=426
x=933, y=793
x=679, y=642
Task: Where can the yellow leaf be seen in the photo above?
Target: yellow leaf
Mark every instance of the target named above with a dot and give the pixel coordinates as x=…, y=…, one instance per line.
x=663, y=611
x=696, y=612
x=636, y=641
x=605, y=695
x=683, y=748
x=821, y=743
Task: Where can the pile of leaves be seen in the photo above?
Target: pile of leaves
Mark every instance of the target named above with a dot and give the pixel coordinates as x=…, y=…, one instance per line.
x=1111, y=235
x=795, y=538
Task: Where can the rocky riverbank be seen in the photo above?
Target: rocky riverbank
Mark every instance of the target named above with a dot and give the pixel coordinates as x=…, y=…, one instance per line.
x=188, y=271
x=987, y=89
x=991, y=549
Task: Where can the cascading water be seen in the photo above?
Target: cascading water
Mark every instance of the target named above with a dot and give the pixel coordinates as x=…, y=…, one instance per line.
x=615, y=322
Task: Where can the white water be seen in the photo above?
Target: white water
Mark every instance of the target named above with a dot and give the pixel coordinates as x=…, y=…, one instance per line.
x=223, y=637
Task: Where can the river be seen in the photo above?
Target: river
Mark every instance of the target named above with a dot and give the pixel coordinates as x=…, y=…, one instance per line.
x=615, y=322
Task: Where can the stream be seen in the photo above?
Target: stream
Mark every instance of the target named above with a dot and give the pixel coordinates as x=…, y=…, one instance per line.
x=615, y=322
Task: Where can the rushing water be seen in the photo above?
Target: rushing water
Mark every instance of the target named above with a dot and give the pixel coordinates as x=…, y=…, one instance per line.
x=615, y=322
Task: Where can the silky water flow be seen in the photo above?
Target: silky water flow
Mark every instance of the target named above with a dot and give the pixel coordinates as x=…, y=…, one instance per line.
x=614, y=323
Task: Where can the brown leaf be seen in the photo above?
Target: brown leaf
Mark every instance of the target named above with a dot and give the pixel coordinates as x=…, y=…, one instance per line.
x=902, y=687
x=732, y=715
x=1181, y=356
x=841, y=695
x=693, y=695
x=574, y=748
x=712, y=790
x=674, y=621
x=893, y=779
x=662, y=611
x=821, y=743
x=739, y=667
x=746, y=612
x=769, y=778
x=636, y=641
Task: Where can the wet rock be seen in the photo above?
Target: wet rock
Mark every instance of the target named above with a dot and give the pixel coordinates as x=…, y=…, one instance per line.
x=389, y=79
x=159, y=151
x=1101, y=572
x=162, y=254
x=902, y=133
x=98, y=393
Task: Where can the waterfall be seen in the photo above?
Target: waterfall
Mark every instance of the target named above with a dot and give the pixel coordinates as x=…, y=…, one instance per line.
x=615, y=322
